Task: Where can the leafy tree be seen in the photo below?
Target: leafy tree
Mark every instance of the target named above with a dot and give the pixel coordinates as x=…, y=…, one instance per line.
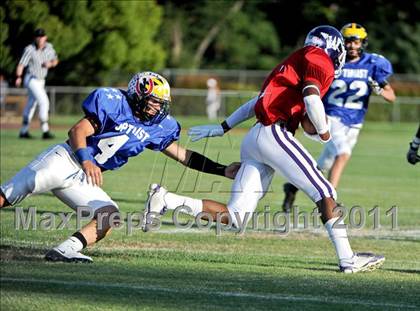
x=223, y=34
x=98, y=42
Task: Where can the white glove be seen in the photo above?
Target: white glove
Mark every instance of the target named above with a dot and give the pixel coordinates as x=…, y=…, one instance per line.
x=374, y=85
x=316, y=137
x=198, y=132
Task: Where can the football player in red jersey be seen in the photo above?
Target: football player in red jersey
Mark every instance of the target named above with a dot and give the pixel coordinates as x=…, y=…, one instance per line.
x=346, y=104
x=293, y=88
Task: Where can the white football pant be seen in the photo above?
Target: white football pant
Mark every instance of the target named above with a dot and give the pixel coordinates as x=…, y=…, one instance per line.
x=269, y=149
x=343, y=140
x=56, y=170
x=36, y=96
x=212, y=109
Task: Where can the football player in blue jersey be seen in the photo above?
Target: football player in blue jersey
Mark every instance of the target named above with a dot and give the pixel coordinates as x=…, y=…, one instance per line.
x=346, y=104
x=117, y=125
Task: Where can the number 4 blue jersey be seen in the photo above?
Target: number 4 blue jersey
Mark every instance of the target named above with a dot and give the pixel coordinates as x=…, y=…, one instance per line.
x=120, y=134
x=348, y=96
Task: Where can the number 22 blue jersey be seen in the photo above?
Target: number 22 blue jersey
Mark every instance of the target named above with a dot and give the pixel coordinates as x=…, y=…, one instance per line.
x=348, y=96
x=120, y=134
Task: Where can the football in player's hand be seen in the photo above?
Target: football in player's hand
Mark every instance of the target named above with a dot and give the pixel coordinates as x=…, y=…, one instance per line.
x=307, y=125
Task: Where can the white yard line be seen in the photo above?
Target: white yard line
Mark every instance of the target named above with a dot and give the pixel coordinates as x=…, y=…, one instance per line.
x=195, y=291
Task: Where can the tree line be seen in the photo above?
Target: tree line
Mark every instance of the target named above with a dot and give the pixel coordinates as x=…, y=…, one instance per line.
x=104, y=42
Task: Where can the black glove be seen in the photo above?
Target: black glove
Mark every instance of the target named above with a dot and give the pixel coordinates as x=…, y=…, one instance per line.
x=412, y=156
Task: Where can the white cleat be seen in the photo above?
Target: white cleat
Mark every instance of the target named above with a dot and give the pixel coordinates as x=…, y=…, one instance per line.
x=155, y=206
x=362, y=262
x=66, y=255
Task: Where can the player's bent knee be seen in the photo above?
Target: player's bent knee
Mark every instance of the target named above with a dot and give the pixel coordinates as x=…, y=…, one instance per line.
x=107, y=217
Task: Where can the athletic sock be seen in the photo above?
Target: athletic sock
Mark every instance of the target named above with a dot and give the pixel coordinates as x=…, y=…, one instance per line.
x=173, y=201
x=44, y=127
x=73, y=243
x=24, y=129
x=339, y=238
x=415, y=143
x=81, y=238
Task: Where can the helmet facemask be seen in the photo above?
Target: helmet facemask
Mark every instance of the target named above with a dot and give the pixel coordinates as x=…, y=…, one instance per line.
x=149, y=95
x=143, y=109
x=339, y=61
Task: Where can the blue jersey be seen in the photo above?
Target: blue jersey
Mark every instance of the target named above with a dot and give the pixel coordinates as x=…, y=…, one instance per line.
x=348, y=96
x=120, y=134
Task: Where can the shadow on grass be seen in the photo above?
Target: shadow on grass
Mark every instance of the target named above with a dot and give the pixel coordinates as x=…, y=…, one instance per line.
x=162, y=280
x=411, y=271
x=22, y=253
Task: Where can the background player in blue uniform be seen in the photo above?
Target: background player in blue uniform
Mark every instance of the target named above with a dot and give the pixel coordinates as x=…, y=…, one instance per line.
x=117, y=125
x=346, y=104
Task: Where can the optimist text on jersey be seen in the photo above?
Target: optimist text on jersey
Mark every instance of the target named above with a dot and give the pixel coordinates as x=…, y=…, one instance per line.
x=120, y=134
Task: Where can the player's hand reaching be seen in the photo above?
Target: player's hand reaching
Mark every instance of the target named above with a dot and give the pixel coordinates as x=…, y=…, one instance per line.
x=198, y=132
x=232, y=169
x=93, y=173
x=374, y=85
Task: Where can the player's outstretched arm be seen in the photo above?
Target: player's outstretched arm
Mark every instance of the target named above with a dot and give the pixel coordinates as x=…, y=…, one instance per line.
x=199, y=162
x=77, y=138
x=243, y=113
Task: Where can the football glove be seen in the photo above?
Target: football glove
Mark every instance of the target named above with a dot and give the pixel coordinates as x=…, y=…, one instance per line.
x=412, y=156
x=198, y=132
x=374, y=85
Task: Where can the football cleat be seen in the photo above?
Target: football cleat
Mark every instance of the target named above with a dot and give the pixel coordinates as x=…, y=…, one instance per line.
x=47, y=135
x=68, y=255
x=25, y=135
x=289, y=197
x=155, y=206
x=361, y=262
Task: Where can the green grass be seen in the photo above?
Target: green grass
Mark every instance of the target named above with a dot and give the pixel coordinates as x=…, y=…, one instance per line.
x=175, y=269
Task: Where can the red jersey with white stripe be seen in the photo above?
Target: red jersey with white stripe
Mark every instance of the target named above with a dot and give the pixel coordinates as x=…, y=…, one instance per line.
x=281, y=95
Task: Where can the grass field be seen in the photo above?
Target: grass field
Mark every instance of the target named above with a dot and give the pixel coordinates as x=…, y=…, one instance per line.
x=175, y=269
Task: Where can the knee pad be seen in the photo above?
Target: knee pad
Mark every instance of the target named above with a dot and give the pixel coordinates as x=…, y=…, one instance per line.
x=106, y=217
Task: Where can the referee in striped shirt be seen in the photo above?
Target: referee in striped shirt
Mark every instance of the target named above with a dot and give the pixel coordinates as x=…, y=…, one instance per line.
x=37, y=58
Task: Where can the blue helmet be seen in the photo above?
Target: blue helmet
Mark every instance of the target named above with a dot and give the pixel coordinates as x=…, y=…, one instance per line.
x=331, y=41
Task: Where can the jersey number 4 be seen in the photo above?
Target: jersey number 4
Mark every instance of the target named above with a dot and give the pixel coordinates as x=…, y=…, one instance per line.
x=109, y=146
x=351, y=102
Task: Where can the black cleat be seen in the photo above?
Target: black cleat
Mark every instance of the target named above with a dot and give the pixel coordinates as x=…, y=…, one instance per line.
x=289, y=197
x=47, y=135
x=25, y=135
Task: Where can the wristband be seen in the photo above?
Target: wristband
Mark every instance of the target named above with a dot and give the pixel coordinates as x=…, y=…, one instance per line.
x=225, y=126
x=82, y=154
x=201, y=163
